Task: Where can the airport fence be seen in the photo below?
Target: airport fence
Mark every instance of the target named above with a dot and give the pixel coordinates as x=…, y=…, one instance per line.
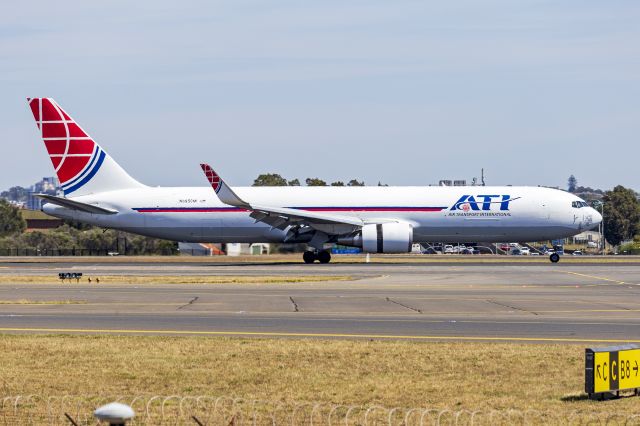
x=207, y=410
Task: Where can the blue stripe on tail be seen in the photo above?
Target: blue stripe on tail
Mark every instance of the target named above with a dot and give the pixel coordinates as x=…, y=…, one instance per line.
x=88, y=177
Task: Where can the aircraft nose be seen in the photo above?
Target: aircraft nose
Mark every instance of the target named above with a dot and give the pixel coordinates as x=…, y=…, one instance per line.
x=597, y=217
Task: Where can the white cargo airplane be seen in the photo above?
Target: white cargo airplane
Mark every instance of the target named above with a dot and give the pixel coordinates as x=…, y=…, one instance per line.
x=99, y=192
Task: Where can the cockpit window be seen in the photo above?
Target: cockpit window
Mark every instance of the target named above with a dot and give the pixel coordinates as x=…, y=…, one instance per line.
x=579, y=204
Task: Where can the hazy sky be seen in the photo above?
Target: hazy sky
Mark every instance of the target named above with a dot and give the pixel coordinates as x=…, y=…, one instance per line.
x=405, y=92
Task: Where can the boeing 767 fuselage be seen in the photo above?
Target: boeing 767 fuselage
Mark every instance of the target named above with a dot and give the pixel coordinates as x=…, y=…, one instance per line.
x=377, y=219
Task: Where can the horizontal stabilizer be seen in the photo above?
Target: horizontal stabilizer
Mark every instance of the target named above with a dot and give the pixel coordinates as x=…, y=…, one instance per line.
x=75, y=205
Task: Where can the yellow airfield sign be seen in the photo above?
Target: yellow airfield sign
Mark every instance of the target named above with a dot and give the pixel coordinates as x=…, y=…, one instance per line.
x=612, y=369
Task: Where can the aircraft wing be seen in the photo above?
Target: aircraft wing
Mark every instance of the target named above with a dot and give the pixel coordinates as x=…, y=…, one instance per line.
x=75, y=205
x=282, y=217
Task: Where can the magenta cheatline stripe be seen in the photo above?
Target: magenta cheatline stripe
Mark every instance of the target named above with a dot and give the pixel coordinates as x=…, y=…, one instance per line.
x=372, y=209
x=311, y=209
x=189, y=209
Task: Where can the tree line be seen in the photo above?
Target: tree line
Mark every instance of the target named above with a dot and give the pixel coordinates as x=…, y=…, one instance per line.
x=621, y=210
x=274, y=179
x=585, y=191
x=71, y=236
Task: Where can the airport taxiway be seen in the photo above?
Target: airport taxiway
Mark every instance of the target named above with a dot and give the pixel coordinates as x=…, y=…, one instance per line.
x=511, y=301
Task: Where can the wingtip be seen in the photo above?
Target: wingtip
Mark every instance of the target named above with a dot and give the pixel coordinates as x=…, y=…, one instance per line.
x=207, y=169
x=212, y=176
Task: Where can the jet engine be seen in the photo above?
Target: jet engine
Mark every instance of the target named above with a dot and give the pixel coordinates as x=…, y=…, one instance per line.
x=393, y=237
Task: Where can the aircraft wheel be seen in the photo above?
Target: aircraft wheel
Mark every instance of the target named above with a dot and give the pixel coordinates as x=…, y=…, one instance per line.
x=309, y=257
x=554, y=258
x=324, y=256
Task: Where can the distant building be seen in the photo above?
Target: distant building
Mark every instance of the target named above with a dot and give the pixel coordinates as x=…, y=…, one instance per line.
x=239, y=249
x=33, y=202
x=587, y=237
x=25, y=197
x=200, y=249
x=48, y=185
x=449, y=182
x=19, y=204
x=37, y=220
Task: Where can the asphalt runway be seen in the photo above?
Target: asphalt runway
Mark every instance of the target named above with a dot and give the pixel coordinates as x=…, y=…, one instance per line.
x=564, y=303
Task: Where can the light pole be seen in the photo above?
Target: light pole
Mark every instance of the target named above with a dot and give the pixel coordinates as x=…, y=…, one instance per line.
x=602, y=240
x=601, y=228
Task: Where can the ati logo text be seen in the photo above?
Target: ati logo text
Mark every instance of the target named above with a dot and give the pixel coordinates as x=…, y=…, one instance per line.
x=468, y=203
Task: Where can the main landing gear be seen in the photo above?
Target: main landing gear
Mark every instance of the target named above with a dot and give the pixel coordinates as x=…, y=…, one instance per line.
x=321, y=256
x=554, y=257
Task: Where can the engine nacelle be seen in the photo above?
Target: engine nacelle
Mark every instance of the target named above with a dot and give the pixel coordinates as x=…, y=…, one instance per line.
x=394, y=237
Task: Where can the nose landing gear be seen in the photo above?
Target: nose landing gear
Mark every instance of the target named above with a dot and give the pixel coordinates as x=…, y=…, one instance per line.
x=554, y=257
x=321, y=256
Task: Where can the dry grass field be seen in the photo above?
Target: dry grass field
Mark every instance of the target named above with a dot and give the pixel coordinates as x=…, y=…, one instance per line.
x=389, y=373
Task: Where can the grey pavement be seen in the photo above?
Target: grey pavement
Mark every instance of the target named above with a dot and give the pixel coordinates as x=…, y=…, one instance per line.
x=596, y=302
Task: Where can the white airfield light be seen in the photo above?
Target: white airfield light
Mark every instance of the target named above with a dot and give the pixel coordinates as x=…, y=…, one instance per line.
x=115, y=413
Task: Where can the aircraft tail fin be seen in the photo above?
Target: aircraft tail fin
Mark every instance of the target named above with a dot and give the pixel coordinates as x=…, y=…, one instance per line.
x=81, y=165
